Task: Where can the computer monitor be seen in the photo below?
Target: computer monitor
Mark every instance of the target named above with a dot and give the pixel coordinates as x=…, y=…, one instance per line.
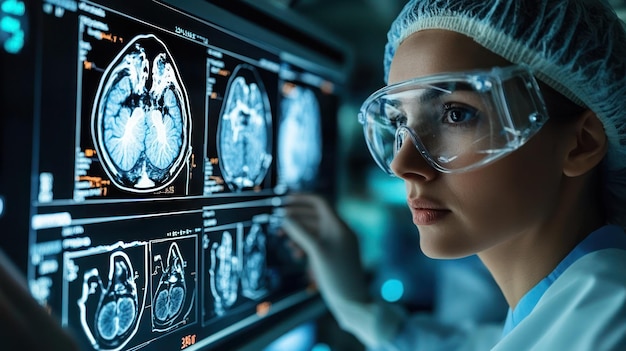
x=147, y=149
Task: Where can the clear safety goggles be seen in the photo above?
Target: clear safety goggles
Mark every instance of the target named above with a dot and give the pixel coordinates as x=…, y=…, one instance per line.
x=457, y=121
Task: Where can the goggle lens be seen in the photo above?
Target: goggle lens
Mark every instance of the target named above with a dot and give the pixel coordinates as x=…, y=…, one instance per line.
x=457, y=121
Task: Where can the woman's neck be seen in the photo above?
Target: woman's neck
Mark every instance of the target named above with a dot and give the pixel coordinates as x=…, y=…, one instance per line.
x=520, y=263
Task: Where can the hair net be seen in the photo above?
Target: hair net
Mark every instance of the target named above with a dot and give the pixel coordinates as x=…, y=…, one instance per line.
x=578, y=47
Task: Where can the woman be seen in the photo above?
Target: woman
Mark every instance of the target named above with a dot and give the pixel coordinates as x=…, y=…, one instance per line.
x=505, y=120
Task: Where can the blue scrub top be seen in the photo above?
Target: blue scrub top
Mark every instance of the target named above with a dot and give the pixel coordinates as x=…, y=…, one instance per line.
x=610, y=236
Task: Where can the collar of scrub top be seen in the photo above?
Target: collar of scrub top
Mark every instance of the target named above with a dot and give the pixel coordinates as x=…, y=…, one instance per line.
x=609, y=236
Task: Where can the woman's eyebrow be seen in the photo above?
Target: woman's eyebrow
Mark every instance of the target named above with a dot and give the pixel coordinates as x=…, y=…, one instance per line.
x=433, y=93
x=428, y=94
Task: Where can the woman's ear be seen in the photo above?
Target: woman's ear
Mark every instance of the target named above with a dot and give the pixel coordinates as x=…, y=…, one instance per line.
x=588, y=147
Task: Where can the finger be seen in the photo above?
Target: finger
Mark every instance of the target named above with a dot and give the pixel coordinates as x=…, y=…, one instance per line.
x=301, y=236
x=305, y=200
x=307, y=207
x=308, y=218
x=301, y=212
x=308, y=222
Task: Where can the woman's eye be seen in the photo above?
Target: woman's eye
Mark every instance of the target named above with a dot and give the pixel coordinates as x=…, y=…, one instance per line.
x=398, y=121
x=458, y=114
x=395, y=116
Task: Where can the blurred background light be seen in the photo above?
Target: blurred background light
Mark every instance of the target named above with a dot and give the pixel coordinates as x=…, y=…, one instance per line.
x=392, y=290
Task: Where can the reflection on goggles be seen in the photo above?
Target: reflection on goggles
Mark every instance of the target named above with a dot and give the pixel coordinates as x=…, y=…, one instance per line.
x=457, y=121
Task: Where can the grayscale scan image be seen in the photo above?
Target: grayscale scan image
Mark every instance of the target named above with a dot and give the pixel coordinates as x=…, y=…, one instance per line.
x=253, y=279
x=110, y=305
x=141, y=121
x=224, y=273
x=173, y=284
x=244, y=130
x=299, y=137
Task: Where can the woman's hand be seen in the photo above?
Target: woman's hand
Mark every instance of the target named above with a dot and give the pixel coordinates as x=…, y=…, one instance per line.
x=334, y=256
x=331, y=246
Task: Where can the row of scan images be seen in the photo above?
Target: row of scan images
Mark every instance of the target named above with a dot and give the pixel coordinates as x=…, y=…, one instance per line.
x=141, y=124
x=128, y=294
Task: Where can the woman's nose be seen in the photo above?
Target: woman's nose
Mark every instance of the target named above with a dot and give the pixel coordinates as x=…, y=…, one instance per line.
x=409, y=163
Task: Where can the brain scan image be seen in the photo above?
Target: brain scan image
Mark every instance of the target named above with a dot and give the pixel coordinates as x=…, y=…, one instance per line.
x=224, y=273
x=169, y=299
x=299, y=137
x=244, y=130
x=253, y=280
x=141, y=121
x=110, y=309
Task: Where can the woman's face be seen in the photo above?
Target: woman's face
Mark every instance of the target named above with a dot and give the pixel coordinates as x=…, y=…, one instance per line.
x=466, y=213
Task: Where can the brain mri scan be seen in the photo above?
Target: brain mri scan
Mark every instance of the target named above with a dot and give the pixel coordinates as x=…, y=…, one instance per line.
x=110, y=308
x=253, y=279
x=224, y=273
x=171, y=289
x=141, y=121
x=244, y=130
x=300, y=137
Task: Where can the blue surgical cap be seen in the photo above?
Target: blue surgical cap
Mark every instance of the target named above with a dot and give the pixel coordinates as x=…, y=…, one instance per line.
x=578, y=47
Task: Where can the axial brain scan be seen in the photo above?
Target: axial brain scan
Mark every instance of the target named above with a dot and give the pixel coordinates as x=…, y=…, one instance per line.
x=110, y=309
x=171, y=289
x=254, y=263
x=244, y=130
x=224, y=273
x=141, y=119
x=300, y=136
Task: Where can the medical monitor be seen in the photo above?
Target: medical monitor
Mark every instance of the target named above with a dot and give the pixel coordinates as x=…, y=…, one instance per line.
x=147, y=149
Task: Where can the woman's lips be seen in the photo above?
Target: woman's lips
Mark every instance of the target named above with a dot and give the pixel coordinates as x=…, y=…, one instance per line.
x=426, y=212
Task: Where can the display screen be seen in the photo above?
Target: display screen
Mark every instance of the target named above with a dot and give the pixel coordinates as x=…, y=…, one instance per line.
x=161, y=151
